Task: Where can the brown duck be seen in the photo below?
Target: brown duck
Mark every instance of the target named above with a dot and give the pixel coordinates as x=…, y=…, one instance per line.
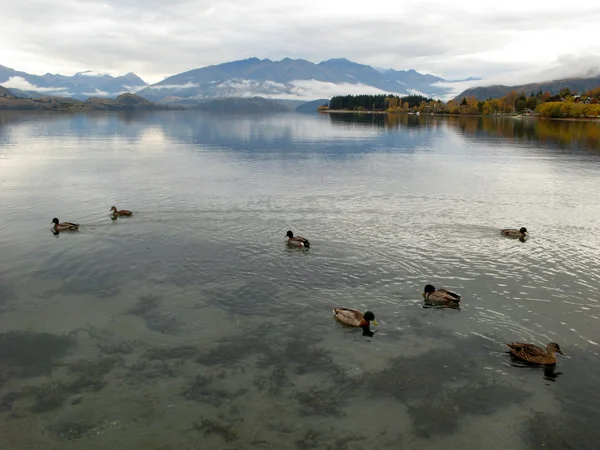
x=120, y=213
x=534, y=354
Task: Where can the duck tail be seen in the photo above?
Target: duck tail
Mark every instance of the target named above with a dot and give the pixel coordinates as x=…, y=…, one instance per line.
x=306, y=243
x=457, y=298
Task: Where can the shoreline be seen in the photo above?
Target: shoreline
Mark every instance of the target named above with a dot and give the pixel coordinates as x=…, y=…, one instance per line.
x=510, y=116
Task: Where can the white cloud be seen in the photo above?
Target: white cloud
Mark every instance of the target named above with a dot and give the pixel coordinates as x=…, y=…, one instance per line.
x=24, y=85
x=564, y=66
x=96, y=93
x=294, y=90
x=156, y=38
x=187, y=85
x=91, y=73
x=132, y=88
x=416, y=92
x=313, y=89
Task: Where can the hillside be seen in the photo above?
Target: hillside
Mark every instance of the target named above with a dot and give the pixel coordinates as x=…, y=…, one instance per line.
x=80, y=86
x=6, y=93
x=121, y=103
x=242, y=105
x=554, y=87
x=312, y=106
x=292, y=79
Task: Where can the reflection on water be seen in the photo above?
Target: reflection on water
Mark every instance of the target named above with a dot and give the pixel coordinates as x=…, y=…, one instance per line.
x=567, y=134
x=191, y=322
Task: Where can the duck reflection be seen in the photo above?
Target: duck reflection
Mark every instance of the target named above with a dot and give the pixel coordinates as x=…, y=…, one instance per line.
x=549, y=371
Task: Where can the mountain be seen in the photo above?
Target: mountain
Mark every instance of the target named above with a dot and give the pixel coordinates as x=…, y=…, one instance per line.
x=242, y=105
x=296, y=79
x=80, y=86
x=574, y=84
x=6, y=93
x=312, y=106
x=124, y=102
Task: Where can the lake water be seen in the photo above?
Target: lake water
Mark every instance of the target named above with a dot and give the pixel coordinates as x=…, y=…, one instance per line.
x=191, y=325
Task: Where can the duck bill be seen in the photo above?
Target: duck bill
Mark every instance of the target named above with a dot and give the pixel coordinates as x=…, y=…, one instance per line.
x=374, y=322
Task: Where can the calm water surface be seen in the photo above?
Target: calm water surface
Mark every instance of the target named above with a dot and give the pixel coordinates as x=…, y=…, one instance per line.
x=191, y=325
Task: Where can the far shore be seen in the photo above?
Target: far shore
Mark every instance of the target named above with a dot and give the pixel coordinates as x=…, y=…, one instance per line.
x=512, y=116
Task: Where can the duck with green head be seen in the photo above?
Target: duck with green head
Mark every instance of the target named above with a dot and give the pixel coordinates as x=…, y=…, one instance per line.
x=355, y=318
x=58, y=226
x=521, y=233
x=297, y=240
x=440, y=296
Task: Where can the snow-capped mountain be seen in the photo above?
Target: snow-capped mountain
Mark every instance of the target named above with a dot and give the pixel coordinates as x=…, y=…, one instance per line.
x=80, y=86
x=295, y=79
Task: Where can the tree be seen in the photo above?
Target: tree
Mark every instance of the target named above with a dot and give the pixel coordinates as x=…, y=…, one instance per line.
x=532, y=103
x=564, y=92
x=464, y=102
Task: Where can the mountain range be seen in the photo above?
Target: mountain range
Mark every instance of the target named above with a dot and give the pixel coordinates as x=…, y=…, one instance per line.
x=290, y=82
x=291, y=79
x=288, y=79
x=554, y=87
x=79, y=86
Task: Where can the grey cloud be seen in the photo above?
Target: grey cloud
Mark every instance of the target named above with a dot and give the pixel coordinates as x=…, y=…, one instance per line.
x=155, y=38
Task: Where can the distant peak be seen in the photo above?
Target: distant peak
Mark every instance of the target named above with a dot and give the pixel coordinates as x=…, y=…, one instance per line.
x=337, y=61
x=91, y=73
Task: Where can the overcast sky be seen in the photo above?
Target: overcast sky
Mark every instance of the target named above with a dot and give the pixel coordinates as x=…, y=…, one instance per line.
x=507, y=41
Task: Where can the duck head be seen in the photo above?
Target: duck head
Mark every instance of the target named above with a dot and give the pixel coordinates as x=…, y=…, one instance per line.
x=368, y=318
x=429, y=289
x=290, y=234
x=113, y=208
x=523, y=230
x=554, y=347
x=55, y=221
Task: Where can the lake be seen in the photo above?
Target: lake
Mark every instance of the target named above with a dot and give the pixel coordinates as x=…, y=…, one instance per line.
x=191, y=325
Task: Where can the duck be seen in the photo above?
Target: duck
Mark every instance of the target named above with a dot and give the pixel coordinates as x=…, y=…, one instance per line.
x=63, y=226
x=355, y=318
x=122, y=212
x=513, y=232
x=533, y=354
x=440, y=296
x=297, y=241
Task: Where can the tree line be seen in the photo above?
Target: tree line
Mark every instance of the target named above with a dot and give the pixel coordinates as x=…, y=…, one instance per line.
x=565, y=104
x=381, y=102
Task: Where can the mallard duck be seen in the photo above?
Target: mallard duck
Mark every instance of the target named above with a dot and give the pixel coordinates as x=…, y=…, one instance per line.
x=513, y=232
x=440, y=296
x=354, y=318
x=534, y=354
x=297, y=241
x=117, y=213
x=64, y=226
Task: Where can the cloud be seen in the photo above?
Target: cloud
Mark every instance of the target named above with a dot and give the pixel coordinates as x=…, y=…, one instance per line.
x=24, y=85
x=564, y=66
x=156, y=38
x=313, y=89
x=187, y=85
x=96, y=93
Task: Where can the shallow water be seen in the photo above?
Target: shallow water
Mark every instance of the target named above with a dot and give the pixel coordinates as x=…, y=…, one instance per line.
x=191, y=325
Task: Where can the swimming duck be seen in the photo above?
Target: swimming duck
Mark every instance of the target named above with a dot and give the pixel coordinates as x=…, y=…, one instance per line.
x=513, y=232
x=354, y=318
x=64, y=226
x=440, y=296
x=297, y=241
x=534, y=354
x=123, y=212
